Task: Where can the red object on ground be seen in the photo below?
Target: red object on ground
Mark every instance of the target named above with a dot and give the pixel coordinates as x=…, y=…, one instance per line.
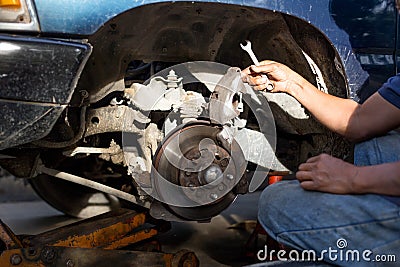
x=274, y=179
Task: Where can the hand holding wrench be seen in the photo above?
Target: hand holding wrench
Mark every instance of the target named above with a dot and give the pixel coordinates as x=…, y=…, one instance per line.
x=253, y=57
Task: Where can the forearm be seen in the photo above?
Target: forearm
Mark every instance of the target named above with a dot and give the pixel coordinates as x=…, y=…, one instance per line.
x=378, y=179
x=356, y=122
x=335, y=113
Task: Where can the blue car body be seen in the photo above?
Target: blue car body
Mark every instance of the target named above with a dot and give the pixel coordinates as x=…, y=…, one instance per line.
x=363, y=35
x=69, y=67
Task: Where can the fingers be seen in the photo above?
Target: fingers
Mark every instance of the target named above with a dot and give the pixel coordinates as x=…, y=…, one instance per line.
x=258, y=82
x=308, y=185
x=267, y=68
x=308, y=166
x=265, y=62
x=247, y=74
x=304, y=176
x=260, y=77
x=306, y=172
x=315, y=158
x=261, y=87
x=244, y=74
x=306, y=180
x=264, y=68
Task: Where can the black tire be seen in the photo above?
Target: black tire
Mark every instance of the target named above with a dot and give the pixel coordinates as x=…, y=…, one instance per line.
x=72, y=199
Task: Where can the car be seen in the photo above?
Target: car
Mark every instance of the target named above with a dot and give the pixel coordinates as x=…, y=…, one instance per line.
x=139, y=103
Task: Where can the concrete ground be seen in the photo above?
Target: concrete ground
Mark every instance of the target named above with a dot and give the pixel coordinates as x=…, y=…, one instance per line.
x=215, y=243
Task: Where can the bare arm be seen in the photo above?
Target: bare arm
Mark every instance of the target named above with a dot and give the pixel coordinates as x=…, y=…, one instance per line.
x=344, y=116
x=357, y=122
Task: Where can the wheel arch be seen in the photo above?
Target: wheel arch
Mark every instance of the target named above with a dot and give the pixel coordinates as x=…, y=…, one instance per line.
x=192, y=31
x=186, y=31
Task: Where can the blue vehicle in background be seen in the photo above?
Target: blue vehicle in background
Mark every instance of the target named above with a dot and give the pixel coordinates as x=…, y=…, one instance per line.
x=69, y=71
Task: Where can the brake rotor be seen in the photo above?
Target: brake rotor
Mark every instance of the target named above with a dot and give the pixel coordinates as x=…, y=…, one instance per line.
x=203, y=171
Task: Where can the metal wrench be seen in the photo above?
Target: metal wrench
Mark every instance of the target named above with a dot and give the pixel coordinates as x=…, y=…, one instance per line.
x=249, y=50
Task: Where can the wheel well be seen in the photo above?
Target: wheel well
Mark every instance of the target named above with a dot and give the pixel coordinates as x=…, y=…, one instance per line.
x=183, y=31
x=197, y=31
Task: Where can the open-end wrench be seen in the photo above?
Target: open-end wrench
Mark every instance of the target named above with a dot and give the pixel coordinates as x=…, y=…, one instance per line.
x=249, y=50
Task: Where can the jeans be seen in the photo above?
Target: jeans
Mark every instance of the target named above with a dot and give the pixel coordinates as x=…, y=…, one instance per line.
x=346, y=230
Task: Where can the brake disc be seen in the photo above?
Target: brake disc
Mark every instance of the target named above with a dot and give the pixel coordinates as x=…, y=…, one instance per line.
x=203, y=171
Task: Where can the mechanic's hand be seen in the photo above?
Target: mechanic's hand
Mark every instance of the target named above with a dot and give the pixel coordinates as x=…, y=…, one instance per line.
x=283, y=78
x=327, y=174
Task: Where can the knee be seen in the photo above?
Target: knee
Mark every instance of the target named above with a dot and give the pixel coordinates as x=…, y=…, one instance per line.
x=377, y=150
x=365, y=153
x=270, y=196
x=272, y=202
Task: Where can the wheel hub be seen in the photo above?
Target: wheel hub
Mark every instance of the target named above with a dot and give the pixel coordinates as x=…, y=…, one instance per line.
x=204, y=172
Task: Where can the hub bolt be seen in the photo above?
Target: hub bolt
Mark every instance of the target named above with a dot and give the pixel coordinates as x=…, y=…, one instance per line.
x=224, y=162
x=191, y=186
x=48, y=255
x=212, y=174
x=15, y=259
x=70, y=263
x=214, y=196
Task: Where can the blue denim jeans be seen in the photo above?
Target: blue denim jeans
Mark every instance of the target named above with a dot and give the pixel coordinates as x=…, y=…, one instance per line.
x=346, y=225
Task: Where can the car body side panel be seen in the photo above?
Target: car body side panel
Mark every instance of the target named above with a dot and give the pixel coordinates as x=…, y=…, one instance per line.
x=37, y=79
x=371, y=29
x=83, y=17
x=23, y=122
x=38, y=69
x=46, y=71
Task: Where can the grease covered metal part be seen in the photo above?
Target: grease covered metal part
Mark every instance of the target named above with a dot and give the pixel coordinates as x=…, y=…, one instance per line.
x=221, y=108
x=191, y=171
x=199, y=164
